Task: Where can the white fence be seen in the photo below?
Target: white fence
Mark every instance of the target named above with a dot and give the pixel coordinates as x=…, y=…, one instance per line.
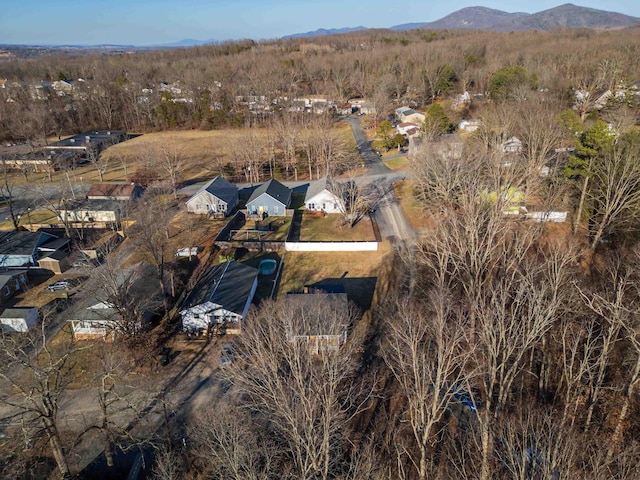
x=331, y=246
x=558, y=217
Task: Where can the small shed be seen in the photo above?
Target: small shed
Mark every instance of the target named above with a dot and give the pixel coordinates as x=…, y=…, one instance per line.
x=19, y=319
x=58, y=261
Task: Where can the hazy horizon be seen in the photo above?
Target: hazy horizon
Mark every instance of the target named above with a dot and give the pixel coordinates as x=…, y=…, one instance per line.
x=157, y=22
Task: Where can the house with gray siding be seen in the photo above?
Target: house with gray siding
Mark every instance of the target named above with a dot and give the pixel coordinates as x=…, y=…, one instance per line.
x=271, y=198
x=217, y=197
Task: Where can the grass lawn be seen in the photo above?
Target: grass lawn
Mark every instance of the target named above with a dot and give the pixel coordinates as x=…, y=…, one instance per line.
x=399, y=163
x=305, y=268
x=190, y=230
x=330, y=228
x=31, y=218
x=248, y=232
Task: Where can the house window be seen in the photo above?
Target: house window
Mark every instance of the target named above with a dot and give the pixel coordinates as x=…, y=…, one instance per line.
x=312, y=206
x=324, y=206
x=275, y=210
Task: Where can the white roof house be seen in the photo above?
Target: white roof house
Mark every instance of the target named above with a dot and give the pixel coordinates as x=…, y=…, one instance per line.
x=321, y=197
x=19, y=319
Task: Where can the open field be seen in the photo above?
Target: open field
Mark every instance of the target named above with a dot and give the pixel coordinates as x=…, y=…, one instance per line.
x=330, y=228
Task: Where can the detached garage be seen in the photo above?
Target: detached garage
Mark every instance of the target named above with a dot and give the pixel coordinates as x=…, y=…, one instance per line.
x=19, y=319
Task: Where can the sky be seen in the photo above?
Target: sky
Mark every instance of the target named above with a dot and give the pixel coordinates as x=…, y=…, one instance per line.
x=153, y=22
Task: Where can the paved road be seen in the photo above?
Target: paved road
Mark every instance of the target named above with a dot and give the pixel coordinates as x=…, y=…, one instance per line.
x=370, y=158
x=379, y=179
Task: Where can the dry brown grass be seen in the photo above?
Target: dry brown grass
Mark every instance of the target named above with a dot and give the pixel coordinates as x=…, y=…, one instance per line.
x=304, y=268
x=412, y=209
x=331, y=228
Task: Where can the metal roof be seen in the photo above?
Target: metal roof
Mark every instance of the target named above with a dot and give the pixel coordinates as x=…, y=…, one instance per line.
x=227, y=284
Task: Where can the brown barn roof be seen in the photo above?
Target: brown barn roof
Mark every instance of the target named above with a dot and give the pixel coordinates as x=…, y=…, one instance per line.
x=112, y=190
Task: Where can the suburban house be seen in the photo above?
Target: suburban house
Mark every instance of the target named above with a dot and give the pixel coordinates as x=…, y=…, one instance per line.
x=217, y=197
x=323, y=196
x=20, y=249
x=40, y=160
x=511, y=145
x=12, y=281
x=313, y=104
x=270, y=198
x=220, y=299
x=319, y=333
x=97, y=321
x=121, y=191
x=365, y=107
x=469, y=125
x=19, y=319
x=409, y=115
x=94, y=213
x=408, y=129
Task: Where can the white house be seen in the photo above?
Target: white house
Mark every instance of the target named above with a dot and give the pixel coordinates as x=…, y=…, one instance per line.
x=408, y=129
x=511, y=145
x=19, y=319
x=96, y=321
x=220, y=299
x=217, y=196
x=323, y=196
x=469, y=125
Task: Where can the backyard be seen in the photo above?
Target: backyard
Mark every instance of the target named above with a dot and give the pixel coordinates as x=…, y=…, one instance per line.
x=331, y=228
x=271, y=229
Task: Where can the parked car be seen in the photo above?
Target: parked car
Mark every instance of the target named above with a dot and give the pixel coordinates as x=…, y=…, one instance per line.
x=226, y=355
x=59, y=285
x=187, y=252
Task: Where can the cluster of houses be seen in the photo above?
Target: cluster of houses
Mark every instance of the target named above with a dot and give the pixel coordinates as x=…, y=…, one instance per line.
x=64, y=153
x=20, y=252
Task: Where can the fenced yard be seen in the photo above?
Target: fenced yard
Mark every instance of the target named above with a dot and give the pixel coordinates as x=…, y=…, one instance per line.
x=331, y=228
x=271, y=229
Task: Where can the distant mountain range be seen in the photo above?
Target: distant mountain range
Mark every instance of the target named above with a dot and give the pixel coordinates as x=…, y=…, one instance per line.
x=188, y=42
x=564, y=16
x=321, y=32
x=483, y=18
x=470, y=18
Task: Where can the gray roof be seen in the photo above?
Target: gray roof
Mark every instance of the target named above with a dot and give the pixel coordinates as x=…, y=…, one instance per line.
x=274, y=189
x=96, y=205
x=16, y=312
x=220, y=188
x=227, y=284
x=91, y=138
x=6, y=277
x=22, y=243
x=325, y=183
